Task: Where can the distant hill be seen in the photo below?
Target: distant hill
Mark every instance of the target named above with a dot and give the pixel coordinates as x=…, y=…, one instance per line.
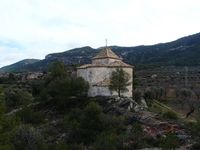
x=181, y=52
x=21, y=65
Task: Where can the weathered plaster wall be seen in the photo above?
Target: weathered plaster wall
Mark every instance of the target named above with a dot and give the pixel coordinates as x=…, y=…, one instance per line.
x=99, y=79
x=130, y=87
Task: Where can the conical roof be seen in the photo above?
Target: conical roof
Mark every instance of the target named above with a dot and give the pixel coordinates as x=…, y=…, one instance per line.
x=106, y=53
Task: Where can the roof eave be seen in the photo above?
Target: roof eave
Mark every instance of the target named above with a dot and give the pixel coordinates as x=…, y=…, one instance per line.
x=105, y=66
x=106, y=57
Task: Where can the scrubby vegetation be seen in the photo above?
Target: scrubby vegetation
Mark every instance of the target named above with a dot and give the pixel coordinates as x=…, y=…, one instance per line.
x=170, y=115
x=54, y=113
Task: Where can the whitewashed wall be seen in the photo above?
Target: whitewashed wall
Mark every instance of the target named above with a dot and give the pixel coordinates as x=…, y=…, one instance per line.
x=98, y=79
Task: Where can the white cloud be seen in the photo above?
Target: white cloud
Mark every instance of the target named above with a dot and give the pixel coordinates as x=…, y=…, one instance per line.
x=40, y=27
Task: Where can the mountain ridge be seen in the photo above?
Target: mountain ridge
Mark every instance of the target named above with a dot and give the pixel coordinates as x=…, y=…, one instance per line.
x=18, y=65
x=184, y=51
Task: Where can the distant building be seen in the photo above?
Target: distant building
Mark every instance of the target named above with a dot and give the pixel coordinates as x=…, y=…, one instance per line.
x=99, y=72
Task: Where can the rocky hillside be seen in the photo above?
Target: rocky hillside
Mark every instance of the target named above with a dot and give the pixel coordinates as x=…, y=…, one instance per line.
x=181, y=52
x=19, y=66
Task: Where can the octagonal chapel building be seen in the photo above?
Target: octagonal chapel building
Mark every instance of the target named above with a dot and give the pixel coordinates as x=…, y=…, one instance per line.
x=99, y=72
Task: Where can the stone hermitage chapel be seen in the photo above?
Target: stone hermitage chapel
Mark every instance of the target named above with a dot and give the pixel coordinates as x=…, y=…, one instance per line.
x=99, y=72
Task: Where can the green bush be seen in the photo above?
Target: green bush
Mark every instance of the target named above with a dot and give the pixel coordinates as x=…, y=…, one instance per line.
x=149, y=96
x=194, y=130
x=78, y=87
x=2, y=107
x=7, y=123
x=60, y=87
x=28, y=116
x=36, y=86
x=171, y=141
x=58, y=146
x=7, y=126
x=137, y=96
x=91, y=123
x=114, y=124
x=196, y=146
x=6, y=147
x=84, y=126
x=15, y=97
x=134, y=138
x=170, y=115
x=106, y=141
x=28, y=138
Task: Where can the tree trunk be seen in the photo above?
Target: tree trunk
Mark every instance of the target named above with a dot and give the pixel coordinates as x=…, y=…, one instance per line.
x=190, y=112
x=119, y=93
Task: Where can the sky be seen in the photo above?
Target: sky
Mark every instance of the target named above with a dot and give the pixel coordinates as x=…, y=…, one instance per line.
x=35, y=28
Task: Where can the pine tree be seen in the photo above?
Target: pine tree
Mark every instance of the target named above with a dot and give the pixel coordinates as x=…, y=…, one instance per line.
x=119, y=81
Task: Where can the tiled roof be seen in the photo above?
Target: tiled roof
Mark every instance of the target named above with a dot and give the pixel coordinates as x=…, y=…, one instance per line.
x=112, y=64
x=119, y=63
x=106, y=53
